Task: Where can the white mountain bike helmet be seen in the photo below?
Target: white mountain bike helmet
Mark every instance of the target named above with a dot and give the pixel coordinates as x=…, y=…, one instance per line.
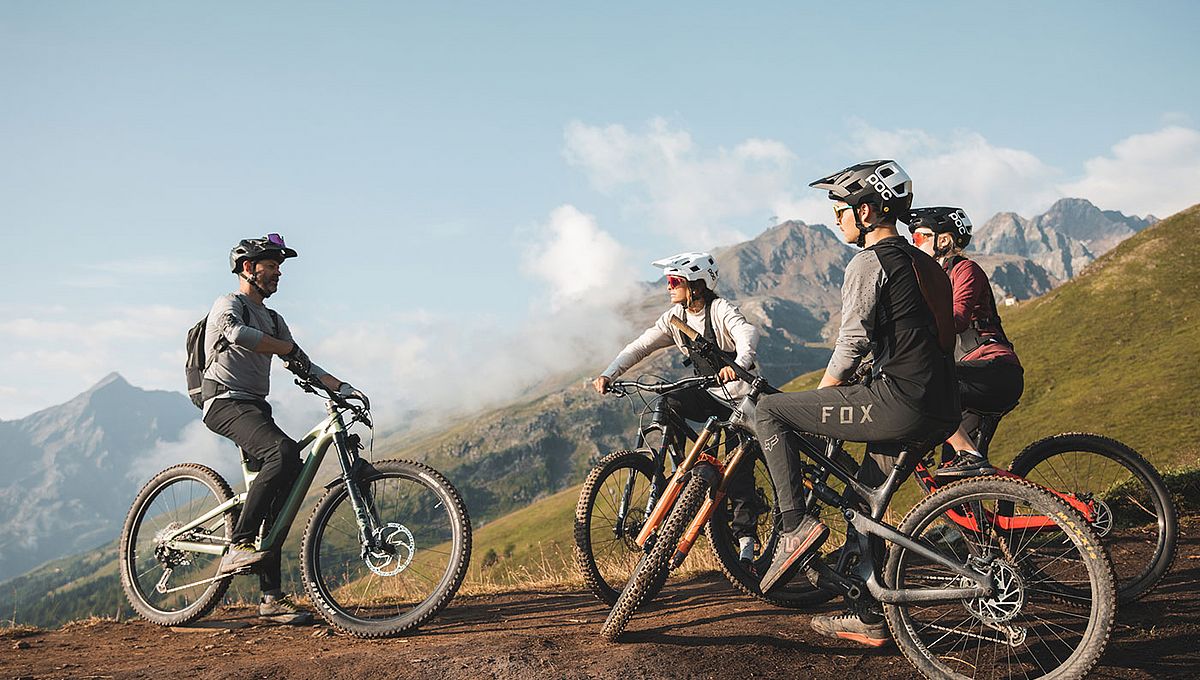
x=690, y=266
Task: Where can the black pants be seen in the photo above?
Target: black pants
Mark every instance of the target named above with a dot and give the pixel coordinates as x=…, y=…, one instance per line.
x=990, y=386
x=698, y=405
x=277, y=457
x=877, y=414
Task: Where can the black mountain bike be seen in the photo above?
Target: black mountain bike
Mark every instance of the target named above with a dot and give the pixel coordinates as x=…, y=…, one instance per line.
x=624, y=487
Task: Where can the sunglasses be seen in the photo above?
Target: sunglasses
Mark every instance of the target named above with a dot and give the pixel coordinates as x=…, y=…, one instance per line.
x=920, y=237
x=276, y=239
x=839, y=209
x=675, y=282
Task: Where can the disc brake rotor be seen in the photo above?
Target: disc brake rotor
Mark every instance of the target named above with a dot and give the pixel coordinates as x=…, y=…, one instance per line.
x=1102, y=521
x=1005, y=603
x=396, y=553
x=631, y=527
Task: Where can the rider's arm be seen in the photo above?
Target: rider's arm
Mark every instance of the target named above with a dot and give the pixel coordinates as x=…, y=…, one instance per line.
x=654, y=338
x=969, y=284
x=860, y=298
x=744, y=333
x=314, y=370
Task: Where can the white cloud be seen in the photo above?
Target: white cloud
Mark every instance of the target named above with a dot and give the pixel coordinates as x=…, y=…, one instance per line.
x=703, y=198
x=1156, y=172
x=962, y=169
x=580, y=262
x=442, y=366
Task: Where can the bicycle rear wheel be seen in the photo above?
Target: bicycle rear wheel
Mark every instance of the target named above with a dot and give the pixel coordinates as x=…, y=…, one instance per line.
x=606, y=551
x=1055, y=598
x=654, y=565
x=426, y=534
x=1129, y=504
x=166, y=586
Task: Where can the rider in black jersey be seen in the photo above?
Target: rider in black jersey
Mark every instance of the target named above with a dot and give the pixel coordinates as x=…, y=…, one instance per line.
x=895, y=307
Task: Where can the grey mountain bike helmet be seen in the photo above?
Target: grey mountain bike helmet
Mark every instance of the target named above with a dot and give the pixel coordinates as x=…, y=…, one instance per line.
x=942, y=220
x=270, y=246
x=883, y=184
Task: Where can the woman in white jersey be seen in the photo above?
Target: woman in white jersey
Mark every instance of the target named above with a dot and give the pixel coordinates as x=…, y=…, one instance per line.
x=691, y=278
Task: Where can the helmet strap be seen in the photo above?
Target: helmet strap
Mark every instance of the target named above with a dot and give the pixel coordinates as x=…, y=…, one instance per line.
x=863, y=229
x=252, y=279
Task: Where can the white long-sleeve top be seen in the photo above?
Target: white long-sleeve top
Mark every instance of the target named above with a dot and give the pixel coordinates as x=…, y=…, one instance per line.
x=733, y=334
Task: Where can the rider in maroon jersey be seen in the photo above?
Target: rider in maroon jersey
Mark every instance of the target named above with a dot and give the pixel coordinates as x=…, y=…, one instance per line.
x=990, y=377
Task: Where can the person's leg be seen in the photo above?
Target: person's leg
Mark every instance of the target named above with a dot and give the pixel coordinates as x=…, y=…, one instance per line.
x=250, y=426
x=989, y=386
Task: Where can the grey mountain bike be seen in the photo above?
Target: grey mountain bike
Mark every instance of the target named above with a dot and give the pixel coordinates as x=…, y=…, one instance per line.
x=385, y=549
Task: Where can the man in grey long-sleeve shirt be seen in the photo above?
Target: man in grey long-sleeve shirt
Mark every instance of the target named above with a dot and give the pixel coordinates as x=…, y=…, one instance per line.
x=895, y=306
x=241, y=336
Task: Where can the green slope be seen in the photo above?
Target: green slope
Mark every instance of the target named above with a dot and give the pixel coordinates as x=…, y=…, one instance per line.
x=1110, y=351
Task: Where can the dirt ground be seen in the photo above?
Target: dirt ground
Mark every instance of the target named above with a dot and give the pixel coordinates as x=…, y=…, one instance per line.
x=699, y=628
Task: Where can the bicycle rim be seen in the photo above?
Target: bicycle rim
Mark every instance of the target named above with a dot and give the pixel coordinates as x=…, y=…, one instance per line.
x=427, y=537
x=1055, y=600
x=723, y=541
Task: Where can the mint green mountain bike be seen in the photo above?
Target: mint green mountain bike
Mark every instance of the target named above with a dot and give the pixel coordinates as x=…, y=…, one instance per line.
x=386, y=546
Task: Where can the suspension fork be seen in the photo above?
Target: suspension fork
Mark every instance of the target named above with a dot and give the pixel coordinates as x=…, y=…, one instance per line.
x=678, y=480
x=365, y=514
x=715, y=497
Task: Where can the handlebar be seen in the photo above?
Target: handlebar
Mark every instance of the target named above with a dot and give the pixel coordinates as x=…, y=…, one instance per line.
x=362, y=412
x=622, y=387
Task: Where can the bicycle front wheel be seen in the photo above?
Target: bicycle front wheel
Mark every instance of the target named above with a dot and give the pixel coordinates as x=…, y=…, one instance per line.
x=424, y=545
x=165, y=585
x=652, y=569
x=1055, y=595
x=1124, y=496
x=608, y=517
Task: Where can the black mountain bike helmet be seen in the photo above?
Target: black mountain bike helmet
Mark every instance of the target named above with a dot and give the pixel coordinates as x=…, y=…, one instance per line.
x=270, y=246
x=942, y=220
x=883, y=184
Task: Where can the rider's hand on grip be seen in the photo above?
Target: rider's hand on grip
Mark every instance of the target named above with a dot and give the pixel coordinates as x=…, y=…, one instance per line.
x=297, y=361
x=349, y=392
x=601, y=384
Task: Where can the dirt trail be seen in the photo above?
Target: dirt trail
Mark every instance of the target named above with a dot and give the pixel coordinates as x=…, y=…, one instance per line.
x=700, y=628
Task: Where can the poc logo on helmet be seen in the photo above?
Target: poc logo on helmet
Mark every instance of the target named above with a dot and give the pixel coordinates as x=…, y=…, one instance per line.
x=961, y=222
x=887, y=191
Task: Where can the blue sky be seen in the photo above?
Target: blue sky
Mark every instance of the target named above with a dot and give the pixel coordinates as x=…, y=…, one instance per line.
x=504, y=170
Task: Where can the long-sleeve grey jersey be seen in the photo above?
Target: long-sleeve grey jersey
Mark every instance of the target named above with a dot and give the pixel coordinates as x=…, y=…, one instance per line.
x=243, y=371
x=733, y=334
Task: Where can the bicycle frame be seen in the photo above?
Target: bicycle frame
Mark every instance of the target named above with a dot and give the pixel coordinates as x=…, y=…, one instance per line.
x=866, y=525
x=330, y=431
